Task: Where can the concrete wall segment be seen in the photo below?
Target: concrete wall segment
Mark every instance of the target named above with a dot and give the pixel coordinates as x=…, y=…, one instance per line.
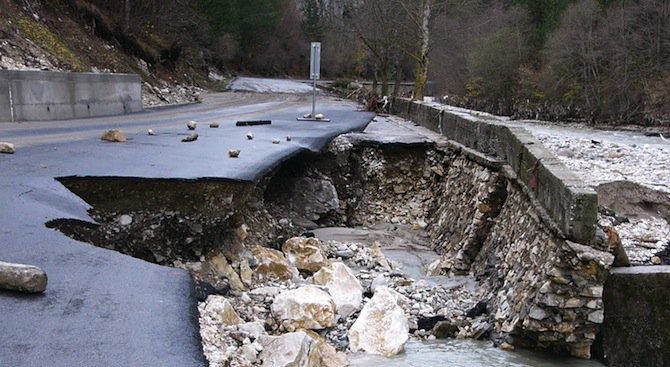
x=40, y=95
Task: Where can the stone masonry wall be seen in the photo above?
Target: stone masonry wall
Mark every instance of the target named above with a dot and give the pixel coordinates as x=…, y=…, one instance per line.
x=468, y=199
x=547, y=292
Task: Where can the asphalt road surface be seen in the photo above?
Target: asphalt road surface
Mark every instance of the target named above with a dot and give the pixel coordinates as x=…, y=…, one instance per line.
x=102, y=308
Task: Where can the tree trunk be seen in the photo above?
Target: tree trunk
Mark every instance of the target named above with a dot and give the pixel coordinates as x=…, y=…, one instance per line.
x=383, y=74
x=422, y=57
x=398, y=78
x=126, y=15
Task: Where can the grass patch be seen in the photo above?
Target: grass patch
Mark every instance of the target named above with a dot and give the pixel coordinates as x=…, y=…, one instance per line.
x=48, y=41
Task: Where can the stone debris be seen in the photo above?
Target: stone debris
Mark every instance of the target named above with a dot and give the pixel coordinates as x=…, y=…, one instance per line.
x=7, y=148
x=162, y=93
x=279, y=301
x=289, y=350
x=191, y=125
x=272, y=264
x=190, y=138
x=233, y=153
x=151, y=132
x=343, y=286
x=22, y=278
x=214, y=125
x=220, y=263
x=288, y=138
x=250, y=136
x=125, y=220
x=307, y=307
x=609, y=160
x=382, y=326
x=221, y=311
x=276, y=141
x=114, y=136
x=305, y=254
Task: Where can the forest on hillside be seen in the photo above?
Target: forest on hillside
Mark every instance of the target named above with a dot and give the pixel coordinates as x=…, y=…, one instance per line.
x=601, y=61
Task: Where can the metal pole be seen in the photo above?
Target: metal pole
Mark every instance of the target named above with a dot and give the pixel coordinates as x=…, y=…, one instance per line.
x=314, y=98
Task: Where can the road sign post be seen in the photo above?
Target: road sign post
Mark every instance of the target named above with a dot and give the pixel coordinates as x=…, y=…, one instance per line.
x=314, y=74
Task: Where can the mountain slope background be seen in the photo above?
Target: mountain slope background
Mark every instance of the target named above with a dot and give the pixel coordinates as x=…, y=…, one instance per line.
x=79, y=36
x=601, y=62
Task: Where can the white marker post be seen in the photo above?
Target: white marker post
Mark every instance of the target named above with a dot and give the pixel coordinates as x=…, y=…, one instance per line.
x=314, y=75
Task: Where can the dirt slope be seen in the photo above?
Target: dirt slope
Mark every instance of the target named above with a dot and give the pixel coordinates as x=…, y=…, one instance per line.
x=60, y=35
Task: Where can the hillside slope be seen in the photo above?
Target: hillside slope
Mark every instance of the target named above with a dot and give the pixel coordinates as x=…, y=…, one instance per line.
x=74, y=35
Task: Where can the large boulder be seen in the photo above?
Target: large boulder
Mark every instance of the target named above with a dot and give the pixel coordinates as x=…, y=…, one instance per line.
x=219, y=309
x=382, y=326
x=22, y=278
x=329, y=356
x=306, y=254
x=289, y=350
x=308, y=308
x=343, y=286
x=272, y=264
x=315, y=197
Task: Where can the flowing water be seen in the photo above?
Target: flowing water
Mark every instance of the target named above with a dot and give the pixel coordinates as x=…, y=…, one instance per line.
x=404, y=247
x=465, y=353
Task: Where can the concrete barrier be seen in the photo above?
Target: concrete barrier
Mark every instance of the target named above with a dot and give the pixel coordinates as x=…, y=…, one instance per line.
x=568, y=200
x=40, y=95
x=637, y=309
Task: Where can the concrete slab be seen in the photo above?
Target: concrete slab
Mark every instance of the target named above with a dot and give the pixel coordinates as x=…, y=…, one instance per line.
x=637, y=306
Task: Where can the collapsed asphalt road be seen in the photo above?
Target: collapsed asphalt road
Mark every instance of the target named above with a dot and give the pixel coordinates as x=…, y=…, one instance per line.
x=101, y=307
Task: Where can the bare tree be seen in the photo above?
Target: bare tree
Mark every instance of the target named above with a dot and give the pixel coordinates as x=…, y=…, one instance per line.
x=419, y=13
x=374, y=24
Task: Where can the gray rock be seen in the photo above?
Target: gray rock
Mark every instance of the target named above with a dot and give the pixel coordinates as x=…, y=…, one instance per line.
x=190, y=138
x=289, y=350
x=125, y=220
x=444, y=329
x=22, y=278
x=7, y=148
x=191, y=125
x=234, y=153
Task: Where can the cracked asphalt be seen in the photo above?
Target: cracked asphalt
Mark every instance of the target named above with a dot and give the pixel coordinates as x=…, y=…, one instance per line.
x=101, y=307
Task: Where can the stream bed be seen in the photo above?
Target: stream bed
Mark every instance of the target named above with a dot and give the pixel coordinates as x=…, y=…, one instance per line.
x=406, y=248
x=465, y=353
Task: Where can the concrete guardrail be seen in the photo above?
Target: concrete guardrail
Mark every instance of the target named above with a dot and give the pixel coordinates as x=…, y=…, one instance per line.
x=567, y=199
x=41, y=95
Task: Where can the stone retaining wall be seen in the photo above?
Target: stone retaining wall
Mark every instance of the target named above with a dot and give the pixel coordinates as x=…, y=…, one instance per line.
x=570, y=203
x=509, y=213
x=546, y=291
x=41, y=95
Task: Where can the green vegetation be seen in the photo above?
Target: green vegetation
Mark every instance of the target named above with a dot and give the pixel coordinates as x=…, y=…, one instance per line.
x=45, y=39
x=250, y=22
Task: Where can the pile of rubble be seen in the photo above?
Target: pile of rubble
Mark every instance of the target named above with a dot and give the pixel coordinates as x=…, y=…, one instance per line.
x=312, y=302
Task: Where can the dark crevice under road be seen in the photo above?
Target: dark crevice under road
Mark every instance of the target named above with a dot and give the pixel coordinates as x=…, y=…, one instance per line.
x=101, y=307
